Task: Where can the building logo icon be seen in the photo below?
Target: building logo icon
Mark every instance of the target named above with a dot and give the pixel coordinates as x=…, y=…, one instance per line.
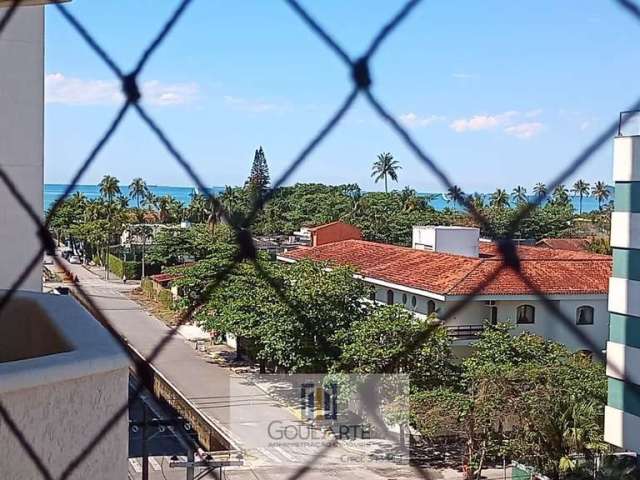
x=319, y=402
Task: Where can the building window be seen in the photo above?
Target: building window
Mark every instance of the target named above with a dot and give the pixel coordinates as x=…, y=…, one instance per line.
x=389, y=297
x=493, y=311
x=404, y=298
x=526, y=314
x=584, y=315
x=431, y=307
x=414, y=301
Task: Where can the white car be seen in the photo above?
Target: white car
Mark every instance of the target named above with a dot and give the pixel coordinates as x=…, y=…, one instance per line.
x=74, y=259
x=48, y=260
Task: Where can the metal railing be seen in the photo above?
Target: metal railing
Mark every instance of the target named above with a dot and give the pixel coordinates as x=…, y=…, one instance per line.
x=464, y=332
x=360, y=86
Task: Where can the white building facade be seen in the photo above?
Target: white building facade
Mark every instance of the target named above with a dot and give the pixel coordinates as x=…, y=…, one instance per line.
x=622, y=414
x=446, y=264
x=21, y=140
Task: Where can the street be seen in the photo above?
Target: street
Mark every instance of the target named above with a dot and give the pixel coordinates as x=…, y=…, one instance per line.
x=239, y=408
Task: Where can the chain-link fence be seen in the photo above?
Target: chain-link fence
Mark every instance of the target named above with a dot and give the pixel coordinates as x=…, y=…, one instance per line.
x=361, y=82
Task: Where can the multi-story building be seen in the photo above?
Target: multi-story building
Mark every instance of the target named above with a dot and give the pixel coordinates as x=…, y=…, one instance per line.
x=622, y=415
x=447, y=264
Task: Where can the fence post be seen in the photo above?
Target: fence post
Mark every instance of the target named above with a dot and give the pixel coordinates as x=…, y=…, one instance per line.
x=145, y=452
x=622, y=413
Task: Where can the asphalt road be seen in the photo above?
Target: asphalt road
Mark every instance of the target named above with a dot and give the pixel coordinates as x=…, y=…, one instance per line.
x=238, y=407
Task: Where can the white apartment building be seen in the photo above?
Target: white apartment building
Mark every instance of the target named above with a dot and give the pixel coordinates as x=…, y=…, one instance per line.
x=446, y=264
x=62, y=376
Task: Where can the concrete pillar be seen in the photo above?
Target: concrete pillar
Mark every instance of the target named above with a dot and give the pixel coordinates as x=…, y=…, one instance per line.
x=21, y=140
x=622, y=414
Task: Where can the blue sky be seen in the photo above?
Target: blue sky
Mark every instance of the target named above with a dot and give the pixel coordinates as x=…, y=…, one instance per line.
x=498, y=92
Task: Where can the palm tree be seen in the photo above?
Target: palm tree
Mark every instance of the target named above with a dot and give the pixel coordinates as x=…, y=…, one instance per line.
x=560, y=195
x=163, y=205
x=476, y=200
x=581, y=189
x=138, y=189
x=601, y=192
x=454, y=195
x=109, y=187
x=540, y=189
x=385, y=167
x=519, y=194
x=410, y=200
x=197, y=209
x=500, y=198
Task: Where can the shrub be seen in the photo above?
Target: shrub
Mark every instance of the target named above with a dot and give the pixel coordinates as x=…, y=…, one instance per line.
x=119, y=268
x=165, y=298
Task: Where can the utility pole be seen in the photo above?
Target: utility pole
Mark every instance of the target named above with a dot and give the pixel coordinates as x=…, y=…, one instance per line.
x=190, y=464
x=145, y=452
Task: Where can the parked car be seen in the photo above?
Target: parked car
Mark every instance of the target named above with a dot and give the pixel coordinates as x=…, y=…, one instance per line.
x=47, y=260
x=74, y=259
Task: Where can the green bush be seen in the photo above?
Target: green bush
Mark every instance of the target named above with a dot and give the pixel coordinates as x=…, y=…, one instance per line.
x=165, y=298
x=129, y=269
x=147, y=287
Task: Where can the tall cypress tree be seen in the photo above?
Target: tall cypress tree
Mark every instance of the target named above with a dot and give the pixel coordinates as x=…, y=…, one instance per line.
x=258, y=180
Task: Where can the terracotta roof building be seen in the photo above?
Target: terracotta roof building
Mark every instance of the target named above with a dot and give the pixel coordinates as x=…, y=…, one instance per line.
x=427, y=279
x=575, y=244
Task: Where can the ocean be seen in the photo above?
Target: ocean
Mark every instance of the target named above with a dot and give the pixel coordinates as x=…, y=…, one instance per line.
x=53, y=191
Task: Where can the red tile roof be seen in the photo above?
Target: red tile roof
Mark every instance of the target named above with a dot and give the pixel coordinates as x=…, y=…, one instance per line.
x=551, y=271
x=577, y=244
x=164, y=277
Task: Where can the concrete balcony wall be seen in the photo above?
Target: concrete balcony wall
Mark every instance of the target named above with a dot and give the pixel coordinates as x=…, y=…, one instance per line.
x=62, y=389
x=21, y=139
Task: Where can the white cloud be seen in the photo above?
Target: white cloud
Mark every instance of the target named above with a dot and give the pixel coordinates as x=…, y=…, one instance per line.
x=524, y=130
x=511, y=122
x=413, y=120
x=251, y=105
x=482, y=122
x=64, y=90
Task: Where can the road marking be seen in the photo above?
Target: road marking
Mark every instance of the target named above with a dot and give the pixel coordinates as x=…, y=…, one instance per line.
x=154, y=464
x=267, y=453
x=135, y=464
x=286, y=454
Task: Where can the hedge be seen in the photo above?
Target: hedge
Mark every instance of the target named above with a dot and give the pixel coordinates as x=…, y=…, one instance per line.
x=165, y=297
x=129, y=269
x=147, y=287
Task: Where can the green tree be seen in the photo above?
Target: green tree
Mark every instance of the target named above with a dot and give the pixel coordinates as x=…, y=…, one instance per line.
x=258, y=180
x=381, y=342
x=500, y=198
x=301, y=329
x=109, y=187
x=560, y=195
x=455, y=195
x=385, y=166
x=138, y=190
x=540, y=189
x=581, y=189
x=524, y=397
x=519, y=194
x=601, y=192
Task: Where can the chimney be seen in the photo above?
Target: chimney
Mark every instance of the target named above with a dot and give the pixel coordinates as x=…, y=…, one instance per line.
x=622, y=416
x=454, y=240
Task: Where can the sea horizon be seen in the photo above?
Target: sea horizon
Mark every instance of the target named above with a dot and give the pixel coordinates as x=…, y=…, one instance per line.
x=53, y=191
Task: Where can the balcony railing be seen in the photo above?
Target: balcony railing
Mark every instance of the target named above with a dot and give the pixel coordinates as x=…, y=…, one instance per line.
x=61, y=377
x=464, y=332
